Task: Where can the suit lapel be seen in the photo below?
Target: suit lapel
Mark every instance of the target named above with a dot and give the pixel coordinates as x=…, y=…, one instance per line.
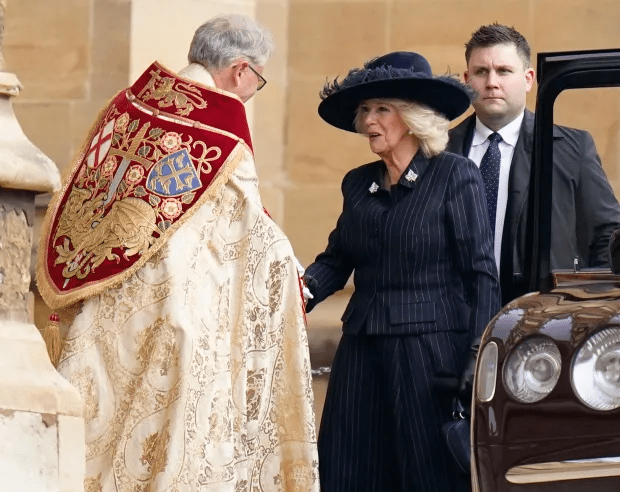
x=461, y=136
x=415, y=171
x=519, y=180
x=520, y=169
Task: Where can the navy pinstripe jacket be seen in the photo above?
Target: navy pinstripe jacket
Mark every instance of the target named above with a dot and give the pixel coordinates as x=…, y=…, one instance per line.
x=422, y=253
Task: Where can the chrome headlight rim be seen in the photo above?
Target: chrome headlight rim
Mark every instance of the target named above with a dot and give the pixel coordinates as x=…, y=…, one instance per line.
x=486, y=379
x=544, y=359
x=590, y=380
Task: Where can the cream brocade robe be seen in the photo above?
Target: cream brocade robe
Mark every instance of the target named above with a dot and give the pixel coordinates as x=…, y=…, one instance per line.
x=195, y=372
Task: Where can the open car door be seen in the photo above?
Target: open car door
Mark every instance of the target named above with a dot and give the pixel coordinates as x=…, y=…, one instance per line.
x=546, y=403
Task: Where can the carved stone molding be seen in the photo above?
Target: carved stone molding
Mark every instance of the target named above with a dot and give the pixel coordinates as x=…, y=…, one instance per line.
x=15, y=244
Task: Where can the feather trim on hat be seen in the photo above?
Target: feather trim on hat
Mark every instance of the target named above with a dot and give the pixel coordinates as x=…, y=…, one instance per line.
x=359, y=76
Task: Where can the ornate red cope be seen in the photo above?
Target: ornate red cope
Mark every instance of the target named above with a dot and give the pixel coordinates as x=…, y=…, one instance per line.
x=148, y=161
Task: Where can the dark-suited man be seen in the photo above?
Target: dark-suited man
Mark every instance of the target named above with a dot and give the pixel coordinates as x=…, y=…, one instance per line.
x=585, y=211
x=414, y=230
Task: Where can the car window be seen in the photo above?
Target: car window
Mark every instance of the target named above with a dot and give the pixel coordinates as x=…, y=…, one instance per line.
x=597, y=111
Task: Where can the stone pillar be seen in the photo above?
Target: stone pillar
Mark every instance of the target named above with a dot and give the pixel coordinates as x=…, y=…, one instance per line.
x=2, y=10
x=41, y=424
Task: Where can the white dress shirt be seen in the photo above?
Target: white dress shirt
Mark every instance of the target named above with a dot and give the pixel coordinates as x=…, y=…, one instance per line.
x=479, y=145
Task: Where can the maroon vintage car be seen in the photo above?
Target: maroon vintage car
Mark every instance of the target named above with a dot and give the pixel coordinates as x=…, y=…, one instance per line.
x=546, y=405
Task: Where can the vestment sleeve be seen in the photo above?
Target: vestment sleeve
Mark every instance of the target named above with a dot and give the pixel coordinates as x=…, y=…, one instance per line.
x=470, y=233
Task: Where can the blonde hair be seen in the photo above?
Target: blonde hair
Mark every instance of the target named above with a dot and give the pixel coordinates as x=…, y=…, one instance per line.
x=426, y=124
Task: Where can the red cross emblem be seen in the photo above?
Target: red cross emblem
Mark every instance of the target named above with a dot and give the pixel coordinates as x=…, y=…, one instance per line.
x=100, y=145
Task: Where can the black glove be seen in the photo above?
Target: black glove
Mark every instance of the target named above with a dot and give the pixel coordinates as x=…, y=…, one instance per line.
x=466, y=383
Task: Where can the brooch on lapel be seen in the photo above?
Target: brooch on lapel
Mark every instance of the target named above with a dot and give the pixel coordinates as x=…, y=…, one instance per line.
x=411, y=176
x=373, y=188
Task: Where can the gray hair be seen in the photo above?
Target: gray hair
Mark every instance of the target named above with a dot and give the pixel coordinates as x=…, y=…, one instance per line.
x=427, y=125
x=226, y=38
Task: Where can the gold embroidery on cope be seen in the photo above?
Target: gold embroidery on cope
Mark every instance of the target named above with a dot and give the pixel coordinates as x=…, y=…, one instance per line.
x=220, y=421
x=295, y=476
x=85, y=384
x=93, y=484
x=223, y=302
x=236, y=396
x=145, y=205
x=157, y=346
x=155, y=450
x=129, y=224
x=185, y=98
x=275, y=284
x=242, y=486
x=255, y=387
x=257, y=316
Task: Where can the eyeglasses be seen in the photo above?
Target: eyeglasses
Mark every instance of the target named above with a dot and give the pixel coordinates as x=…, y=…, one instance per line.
x=261, y=79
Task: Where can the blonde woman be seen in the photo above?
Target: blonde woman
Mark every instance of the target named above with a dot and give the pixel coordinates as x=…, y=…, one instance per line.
x=415, y=233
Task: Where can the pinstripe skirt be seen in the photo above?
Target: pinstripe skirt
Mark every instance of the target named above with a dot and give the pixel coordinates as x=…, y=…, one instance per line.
x=380, y=429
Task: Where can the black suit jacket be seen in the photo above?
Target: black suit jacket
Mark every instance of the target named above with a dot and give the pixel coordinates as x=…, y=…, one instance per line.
x=585, y=211
x=422, y=253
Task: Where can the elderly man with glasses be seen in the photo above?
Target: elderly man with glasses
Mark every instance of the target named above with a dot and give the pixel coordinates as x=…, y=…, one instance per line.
x=261, y=79
x=217, y=58
x=180, y=296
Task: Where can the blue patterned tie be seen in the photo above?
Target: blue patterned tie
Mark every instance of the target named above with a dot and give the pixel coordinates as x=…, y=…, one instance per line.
x=489, y=168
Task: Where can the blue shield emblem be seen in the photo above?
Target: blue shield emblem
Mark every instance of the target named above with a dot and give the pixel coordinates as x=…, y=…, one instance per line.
x=173, y=175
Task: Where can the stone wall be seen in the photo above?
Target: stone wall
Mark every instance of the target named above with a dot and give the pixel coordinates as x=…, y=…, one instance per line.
x=328, y=37
x=2, y=11
x=73, y=55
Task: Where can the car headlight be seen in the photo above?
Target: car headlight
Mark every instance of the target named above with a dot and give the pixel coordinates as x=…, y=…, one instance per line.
x=533, y=369
x=595, y=374
x=487, y=370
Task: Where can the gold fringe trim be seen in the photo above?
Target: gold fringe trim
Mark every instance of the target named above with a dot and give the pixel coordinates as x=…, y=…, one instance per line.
x=46, y=287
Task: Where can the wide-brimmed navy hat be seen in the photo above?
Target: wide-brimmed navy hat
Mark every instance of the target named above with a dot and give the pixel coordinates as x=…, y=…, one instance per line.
x=398, y=75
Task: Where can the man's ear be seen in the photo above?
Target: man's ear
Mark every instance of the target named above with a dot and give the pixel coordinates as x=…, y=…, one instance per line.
x=237, y=71
x=530, y=77
x=466, y=76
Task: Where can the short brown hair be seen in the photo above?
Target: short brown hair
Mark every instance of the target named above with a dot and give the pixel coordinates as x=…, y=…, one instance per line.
x=494, y=34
